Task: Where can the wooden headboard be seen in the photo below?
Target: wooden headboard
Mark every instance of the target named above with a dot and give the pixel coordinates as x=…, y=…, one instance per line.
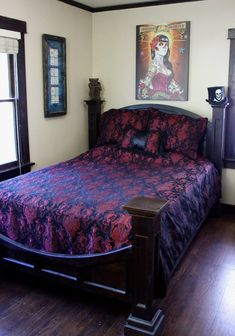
x=213, y=147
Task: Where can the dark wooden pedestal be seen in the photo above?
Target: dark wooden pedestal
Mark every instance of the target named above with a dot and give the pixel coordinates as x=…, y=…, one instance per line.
x=94, y=112
x=218, y=131
x=146, y=319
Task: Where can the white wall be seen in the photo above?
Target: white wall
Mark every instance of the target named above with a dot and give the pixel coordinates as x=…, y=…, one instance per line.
x=114, y=49
x=59, y=138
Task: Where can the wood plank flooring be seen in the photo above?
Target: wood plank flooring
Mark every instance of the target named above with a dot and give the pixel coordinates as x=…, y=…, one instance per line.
x=200, y=300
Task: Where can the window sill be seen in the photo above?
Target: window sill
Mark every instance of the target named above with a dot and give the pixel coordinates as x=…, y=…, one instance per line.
x=15, y=171
x=229, y=163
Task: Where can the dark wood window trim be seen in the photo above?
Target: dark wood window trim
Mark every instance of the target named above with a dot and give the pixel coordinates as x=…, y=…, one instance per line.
x=14, y=170
x=229, y=160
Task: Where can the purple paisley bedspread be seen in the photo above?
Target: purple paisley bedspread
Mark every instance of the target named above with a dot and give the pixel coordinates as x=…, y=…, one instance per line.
x=75, y=207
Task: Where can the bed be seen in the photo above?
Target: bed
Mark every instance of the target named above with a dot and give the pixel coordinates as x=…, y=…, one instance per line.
x=118, y=218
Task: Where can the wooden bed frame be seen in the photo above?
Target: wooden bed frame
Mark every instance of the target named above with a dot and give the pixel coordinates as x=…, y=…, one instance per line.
x=117, y=273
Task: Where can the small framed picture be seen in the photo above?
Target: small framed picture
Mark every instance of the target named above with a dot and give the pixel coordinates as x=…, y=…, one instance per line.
x=54, y=75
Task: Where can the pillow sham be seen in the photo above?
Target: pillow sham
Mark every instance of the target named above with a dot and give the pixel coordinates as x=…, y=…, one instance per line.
x=145, y=141
x=182, y=134
x=115, y=122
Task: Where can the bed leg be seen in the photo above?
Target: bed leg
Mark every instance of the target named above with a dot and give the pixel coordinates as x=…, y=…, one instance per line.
x=146, y=319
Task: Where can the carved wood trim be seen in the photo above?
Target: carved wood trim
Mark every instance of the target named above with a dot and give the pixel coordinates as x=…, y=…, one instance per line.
x=94, y=113
x=230, y=140
x=146, y=318
x=217, y=136
x=124, y=6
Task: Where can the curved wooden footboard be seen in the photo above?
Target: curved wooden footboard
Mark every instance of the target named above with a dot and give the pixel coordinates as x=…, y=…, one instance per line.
x=82, y=271
x=137, y=265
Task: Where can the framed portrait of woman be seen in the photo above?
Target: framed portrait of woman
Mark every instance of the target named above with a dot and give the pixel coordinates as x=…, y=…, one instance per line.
x=162, y=61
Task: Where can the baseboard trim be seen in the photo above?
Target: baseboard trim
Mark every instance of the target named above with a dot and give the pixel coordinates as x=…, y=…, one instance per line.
x=228, y=208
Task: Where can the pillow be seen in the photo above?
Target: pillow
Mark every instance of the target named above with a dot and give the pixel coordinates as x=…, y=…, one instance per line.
x=115, y=122
x=148, y=142
x=180, y=133
x=184, y=134
x=157, y=120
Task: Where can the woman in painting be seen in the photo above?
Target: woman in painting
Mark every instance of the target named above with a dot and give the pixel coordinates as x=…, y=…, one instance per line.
x=159, y=82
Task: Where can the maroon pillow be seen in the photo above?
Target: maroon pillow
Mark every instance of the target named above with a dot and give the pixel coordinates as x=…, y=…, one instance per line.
x=184, y=134
x=157, y=120
x=148, y=142
x=115, y=122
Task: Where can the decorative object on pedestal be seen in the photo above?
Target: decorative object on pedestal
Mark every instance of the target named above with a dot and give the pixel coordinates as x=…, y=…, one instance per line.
x=216, y=96
x=95, y=89
x=94, y=110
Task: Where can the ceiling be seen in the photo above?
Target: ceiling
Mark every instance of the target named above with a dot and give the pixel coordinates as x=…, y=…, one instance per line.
x=104, y=5
x=108, y=3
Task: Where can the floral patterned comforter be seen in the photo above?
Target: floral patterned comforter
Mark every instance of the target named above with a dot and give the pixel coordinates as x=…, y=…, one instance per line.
x=75, y=207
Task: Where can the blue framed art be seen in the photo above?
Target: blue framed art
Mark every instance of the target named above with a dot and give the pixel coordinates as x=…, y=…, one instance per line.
x=54, y=75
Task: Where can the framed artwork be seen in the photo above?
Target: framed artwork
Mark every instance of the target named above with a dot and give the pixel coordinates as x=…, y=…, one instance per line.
x=162, y=61
x=54, y=75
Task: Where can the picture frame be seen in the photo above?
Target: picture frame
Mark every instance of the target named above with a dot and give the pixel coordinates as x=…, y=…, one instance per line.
x=162, y=61
x=54, y=75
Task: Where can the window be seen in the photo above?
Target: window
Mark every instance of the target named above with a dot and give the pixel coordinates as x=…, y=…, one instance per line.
x=8, y=110
x=14, y=143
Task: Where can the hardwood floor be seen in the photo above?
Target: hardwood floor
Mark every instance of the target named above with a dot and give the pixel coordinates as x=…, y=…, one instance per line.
x=200, y=300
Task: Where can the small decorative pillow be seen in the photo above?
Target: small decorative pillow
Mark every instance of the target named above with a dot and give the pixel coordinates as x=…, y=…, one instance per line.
x=115, y=122
x=184, y=134
x=148, y=142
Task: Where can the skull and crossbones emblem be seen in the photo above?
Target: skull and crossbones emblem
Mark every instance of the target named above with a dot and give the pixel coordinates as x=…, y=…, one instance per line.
x=218, y=95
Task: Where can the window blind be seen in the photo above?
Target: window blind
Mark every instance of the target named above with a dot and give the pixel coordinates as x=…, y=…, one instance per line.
x=9, y=41
x=9, y=45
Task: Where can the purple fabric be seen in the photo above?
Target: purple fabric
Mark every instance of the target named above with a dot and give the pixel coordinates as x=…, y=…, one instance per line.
x=75, y=207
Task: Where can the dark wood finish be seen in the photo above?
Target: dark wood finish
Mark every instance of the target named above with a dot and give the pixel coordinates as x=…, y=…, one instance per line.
x=140, y=289
x=200, y=299
x=24, y=155
x=216, y=154
x=78, y=4
x=228, y=208
x=94, y=113
x=229, y=163
x=125, y=6
x=230, y=138
x=13, y=24
x=22, y=104
x=81, y=271
x=146, y=318
x=15, y=171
